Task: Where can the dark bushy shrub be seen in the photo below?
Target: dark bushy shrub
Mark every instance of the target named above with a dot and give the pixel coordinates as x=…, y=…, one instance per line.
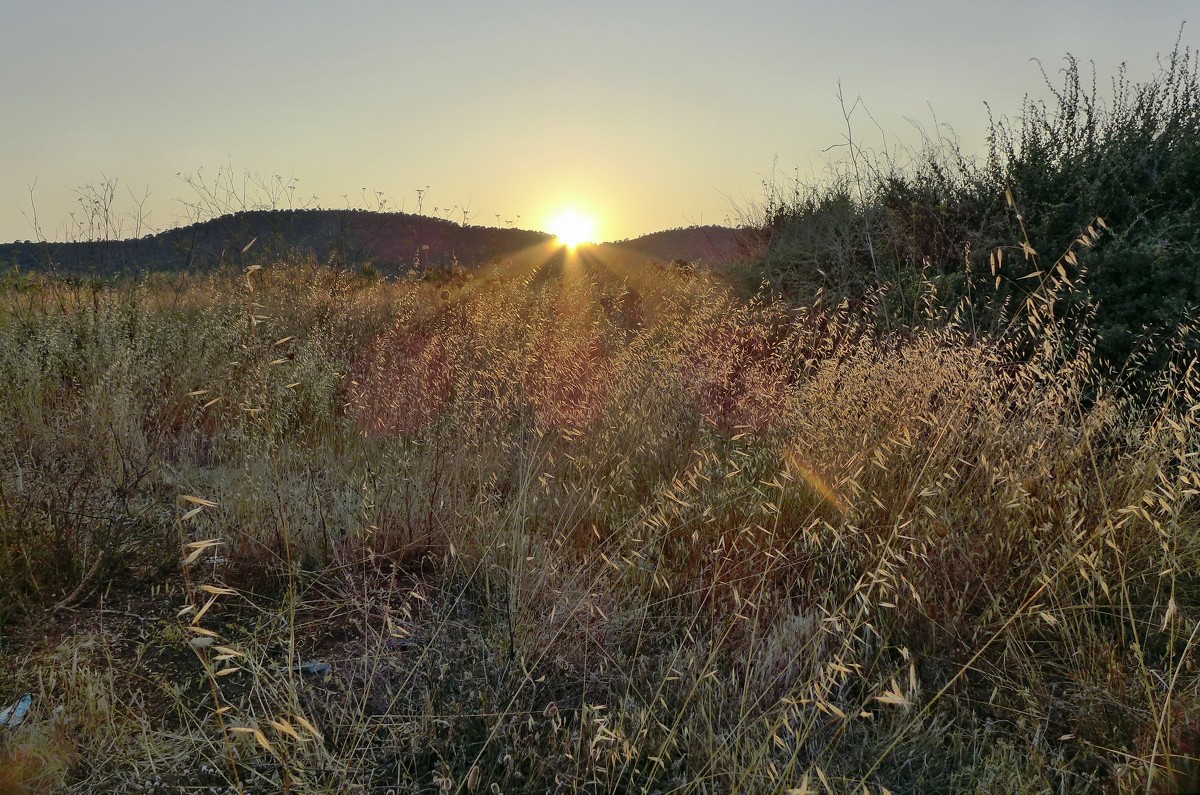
x=1130, y=156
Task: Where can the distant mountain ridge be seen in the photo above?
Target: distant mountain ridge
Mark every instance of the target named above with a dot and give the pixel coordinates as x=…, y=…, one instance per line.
x=714, y=243
x=389, y=242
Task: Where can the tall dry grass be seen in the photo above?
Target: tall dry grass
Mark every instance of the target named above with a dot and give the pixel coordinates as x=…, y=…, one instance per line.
x=572, y=528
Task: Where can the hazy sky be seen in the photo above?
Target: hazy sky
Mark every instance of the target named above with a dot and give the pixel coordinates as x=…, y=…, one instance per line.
x=648, y=114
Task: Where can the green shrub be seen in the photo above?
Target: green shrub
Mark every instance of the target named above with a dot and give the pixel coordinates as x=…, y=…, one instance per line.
x=1131, y=158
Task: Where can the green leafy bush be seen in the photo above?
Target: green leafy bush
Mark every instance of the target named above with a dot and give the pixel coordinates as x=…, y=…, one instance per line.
x=1130, y=157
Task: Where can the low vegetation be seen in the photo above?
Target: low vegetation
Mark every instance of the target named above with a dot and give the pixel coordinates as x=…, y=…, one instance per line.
x=562, y=527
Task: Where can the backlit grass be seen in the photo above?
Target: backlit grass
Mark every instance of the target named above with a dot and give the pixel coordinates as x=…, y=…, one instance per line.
x=571, y=528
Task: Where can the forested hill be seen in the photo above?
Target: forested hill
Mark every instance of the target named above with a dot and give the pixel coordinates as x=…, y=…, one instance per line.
x=714, y=243
x=389, y=242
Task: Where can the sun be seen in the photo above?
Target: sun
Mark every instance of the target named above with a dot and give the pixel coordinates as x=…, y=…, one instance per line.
x=572, y=227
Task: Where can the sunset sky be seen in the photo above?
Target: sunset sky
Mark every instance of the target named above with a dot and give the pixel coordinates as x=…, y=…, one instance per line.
x=645, y=115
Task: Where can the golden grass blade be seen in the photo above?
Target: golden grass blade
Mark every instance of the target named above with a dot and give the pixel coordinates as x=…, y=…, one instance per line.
x=257, y=734
x=283, y=727
x=198, y=548
x=200, y=614
x=308, y=727
x=202, y=631
x=893, y=696
x=207, y=543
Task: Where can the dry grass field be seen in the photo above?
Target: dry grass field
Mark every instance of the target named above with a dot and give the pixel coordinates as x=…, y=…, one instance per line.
x=565, y=527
